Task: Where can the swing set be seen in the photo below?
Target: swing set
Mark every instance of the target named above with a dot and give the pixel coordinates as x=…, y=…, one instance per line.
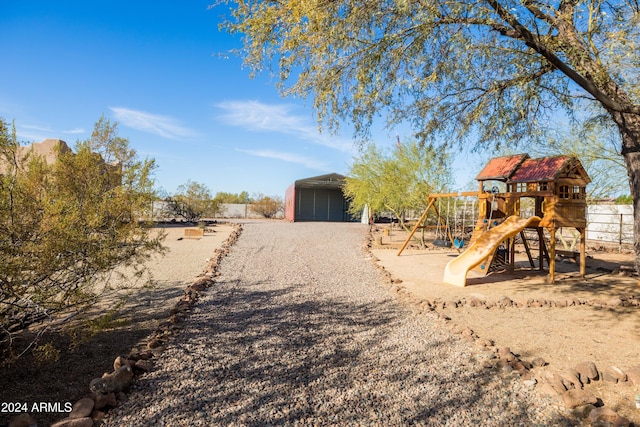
x=444, y=236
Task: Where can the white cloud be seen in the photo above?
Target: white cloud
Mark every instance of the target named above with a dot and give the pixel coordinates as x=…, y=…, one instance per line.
x=37, y=128
x=166, y=127
x=74, y=131
x=257, y=116
x=288, y=157
x=31, y=133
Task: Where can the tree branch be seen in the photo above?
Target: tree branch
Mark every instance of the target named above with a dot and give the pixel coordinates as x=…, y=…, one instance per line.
x=528, y=38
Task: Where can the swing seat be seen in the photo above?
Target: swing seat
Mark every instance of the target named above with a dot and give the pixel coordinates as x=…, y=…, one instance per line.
x=458, y=243
x=442, y=243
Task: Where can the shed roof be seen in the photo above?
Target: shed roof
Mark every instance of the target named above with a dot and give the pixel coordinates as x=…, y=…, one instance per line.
x=549, y=169
x=331, y=181
x=501, y=168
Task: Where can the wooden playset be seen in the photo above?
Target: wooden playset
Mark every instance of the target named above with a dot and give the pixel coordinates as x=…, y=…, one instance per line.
x=515, y=194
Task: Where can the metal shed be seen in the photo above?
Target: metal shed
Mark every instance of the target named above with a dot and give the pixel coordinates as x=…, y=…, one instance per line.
x=319, y=198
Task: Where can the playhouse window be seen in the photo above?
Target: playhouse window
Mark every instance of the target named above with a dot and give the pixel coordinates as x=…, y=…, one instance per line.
x=543, y=186
x=563, y=192
x=521, y=187
x=579, y=193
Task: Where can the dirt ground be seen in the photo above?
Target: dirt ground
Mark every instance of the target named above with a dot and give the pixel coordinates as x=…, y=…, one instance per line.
x=562, y=336
x=85, y=356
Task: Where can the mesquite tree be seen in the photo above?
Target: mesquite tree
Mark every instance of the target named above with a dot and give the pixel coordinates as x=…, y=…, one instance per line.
x=487, y=73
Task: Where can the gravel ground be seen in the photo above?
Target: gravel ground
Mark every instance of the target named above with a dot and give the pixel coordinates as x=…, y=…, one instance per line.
x=300, y=330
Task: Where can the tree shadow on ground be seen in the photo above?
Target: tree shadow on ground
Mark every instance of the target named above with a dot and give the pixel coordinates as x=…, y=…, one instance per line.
x=83, y=354
x=257, y=357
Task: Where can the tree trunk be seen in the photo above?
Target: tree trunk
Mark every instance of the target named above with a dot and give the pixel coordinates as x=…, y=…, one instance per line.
x=629, y=125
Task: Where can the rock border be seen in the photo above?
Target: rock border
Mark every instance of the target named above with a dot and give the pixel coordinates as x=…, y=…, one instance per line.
x=105, y=392
x=568, y=387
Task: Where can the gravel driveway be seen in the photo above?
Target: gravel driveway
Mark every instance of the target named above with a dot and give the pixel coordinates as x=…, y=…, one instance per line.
x=300, y=330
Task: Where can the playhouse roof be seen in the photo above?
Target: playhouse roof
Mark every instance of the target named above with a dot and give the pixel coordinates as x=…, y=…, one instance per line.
x=549, y=169
x=501, y=168
x=521, y=168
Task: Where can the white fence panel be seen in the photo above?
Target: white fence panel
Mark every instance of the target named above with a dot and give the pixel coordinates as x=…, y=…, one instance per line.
x=610, y=223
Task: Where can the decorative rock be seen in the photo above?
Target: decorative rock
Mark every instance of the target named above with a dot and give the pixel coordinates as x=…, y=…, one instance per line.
x=608, y=376
x=506, y=354
x=505, y=302
x=517, y=366
x=467, y=334
x=547, y=389
x=538, y=362
x=154, y=343
x=488, y=364
x=607, y=415
x=615, y=302
x=74, y=422
x=103, y=400
x=483, y=342
x=23, y=420
x=556, y=382
x=633, y=375
x=571, y=379
x=474, y=302
x=144, y=365
x=507, y=369
x=588, y=372
x=616, y=373
x=582, y=411
x=82, y=408
x=120, y=362
x=576, y=397
x=117, y=381
x=98, y=415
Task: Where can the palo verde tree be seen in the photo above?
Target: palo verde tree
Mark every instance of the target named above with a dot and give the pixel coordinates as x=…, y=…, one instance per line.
x=487, y=73
x=64, y=225
x=398, y=182
x=193, y=201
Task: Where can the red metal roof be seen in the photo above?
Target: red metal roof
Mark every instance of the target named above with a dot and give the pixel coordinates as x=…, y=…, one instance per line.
x=543, y=169
x=501, y=168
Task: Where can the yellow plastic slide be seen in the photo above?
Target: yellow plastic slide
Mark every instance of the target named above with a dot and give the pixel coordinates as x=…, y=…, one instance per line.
x=455, y=273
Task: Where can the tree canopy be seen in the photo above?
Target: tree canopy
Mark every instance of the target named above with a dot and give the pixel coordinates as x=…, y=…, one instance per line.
x=490, y=70
x=193, y=201
x=398, y=182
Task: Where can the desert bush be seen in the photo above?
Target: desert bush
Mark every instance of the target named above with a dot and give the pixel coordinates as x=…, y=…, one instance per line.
x=267, y=206
x=67, y=223
x=192, y=202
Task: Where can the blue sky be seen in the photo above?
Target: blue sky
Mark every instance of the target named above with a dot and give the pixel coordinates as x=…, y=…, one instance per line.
x=154, y=67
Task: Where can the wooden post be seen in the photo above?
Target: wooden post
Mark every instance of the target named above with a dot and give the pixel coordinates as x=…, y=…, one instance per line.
x=418, y=224
x=583, y=252
x=512, y=253
x=552, y=254
x=541, y=247
x=620, y=235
